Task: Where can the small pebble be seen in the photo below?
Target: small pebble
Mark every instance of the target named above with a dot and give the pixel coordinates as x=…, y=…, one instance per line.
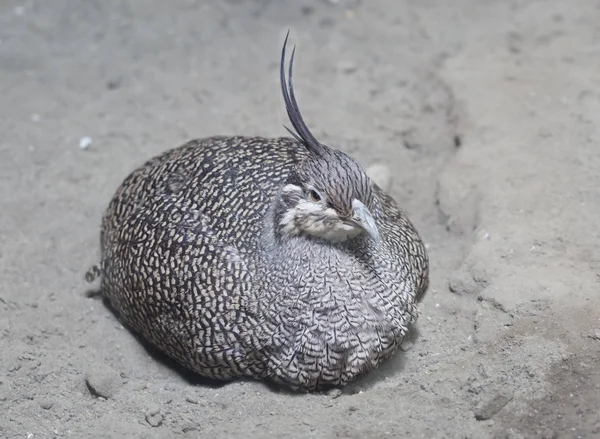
x=189, y=427
x=334, y=393
x=406, y=345
x=85, y=142
x=113, y=84
x=170, y=387
x=46, y=405
x=192, y=399
x=140, y=386
x=595, y=334
x=487, y=409
x=103, y=381
x=153, y=416
x=153, y=410
x=347, y=67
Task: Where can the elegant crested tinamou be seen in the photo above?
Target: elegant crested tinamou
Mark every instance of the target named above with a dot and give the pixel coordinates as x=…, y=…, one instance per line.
x=277, y=259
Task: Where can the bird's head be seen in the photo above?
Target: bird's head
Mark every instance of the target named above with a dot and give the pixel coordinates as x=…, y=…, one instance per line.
x=330, y=198
x=329, y=195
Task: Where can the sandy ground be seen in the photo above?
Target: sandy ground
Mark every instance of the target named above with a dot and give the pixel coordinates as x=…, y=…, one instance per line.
x=488, y=115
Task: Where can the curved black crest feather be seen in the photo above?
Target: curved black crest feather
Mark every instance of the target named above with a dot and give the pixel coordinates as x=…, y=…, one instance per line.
x=302, y=134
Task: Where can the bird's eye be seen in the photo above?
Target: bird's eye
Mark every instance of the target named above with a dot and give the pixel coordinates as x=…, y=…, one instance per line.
x=314, y=196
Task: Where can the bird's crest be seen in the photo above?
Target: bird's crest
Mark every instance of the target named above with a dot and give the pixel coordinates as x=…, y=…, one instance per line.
x=302, y=134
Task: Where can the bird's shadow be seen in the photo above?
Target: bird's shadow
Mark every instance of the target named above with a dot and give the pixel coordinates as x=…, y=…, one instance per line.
x=184, y=373
x=392, y=366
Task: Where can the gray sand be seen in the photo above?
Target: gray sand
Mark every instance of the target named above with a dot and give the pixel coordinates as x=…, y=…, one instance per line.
x=488, y=115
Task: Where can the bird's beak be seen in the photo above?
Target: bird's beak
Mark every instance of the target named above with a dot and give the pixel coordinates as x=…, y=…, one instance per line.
x=363, y=218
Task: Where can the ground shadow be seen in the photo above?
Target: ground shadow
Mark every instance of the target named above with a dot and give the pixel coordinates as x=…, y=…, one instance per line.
x=186, y=374
x=392, y=366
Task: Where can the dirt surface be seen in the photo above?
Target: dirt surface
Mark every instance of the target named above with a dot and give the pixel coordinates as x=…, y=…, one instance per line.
x=488, y=116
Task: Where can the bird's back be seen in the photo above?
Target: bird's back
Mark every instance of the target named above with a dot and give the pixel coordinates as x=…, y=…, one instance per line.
x=231, y=180
x=179, y=242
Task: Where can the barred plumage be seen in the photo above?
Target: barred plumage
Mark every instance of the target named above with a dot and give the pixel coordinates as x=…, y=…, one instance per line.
x=274, y=259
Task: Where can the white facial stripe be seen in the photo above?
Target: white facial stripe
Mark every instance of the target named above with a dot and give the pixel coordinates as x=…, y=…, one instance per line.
x=288, y=222
x=304, y=208
x=309, y=217
x=291, y=188
x=309, y=207
x=339, y=233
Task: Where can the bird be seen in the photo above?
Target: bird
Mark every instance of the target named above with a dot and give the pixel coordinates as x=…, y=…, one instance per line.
x=273, y=259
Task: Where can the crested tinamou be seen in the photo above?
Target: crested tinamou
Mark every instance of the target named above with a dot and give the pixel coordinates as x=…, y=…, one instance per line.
x=276, y=259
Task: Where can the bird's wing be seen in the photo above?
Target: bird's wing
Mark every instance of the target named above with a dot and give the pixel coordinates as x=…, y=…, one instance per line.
x=192, y=289
x=404, y=238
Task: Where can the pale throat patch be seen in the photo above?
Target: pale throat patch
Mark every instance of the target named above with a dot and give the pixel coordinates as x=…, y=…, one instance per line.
x=309, y=217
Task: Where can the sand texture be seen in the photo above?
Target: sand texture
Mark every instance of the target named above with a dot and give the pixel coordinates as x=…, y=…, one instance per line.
x=487, y=115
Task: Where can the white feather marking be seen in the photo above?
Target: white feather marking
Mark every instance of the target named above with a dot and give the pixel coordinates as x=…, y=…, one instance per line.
x=309, y=217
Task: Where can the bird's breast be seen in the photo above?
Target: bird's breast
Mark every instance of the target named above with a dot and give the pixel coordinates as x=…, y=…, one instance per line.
x=333, y=316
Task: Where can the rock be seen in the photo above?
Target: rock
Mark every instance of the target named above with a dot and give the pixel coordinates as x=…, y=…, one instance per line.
x=189, y=427
x=103, y=381
x=487, y=409
x=153, y=410
x=113, y=84
x=46, y=405
x=381, y=175
x=192, y=399
x=334, y=393
x=595, y=335
x=153, y=416
x=140, y=386
x=85, y=142
x=406, y=345
x=467, y=281
x=347, y=67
